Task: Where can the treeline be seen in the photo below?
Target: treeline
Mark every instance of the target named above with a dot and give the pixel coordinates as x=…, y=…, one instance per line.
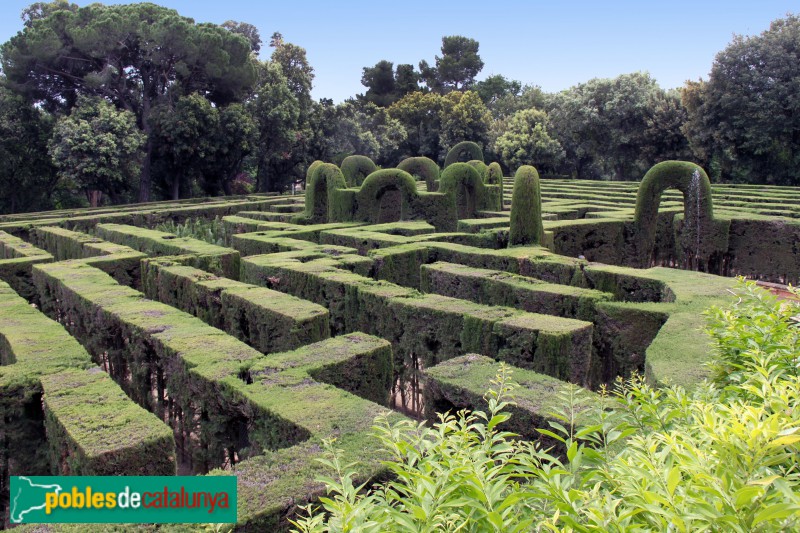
x=112, y=104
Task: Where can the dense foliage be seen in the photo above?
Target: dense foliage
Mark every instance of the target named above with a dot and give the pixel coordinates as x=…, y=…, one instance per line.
x=211, y=231
x=744, y=120
x=98, y=148
x=258, y=123
x=720, y=457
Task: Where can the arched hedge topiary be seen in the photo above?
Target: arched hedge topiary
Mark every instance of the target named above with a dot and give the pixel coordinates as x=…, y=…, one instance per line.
x=494, y=174
x=357, y=167
x=311, y=168
x=464, y=183
x=324, y=179
x=423, y=167
x=373, y=203
x=481, y=167
x=462, y=152
x=698, y=211
x=494, y=187
x=526, y=208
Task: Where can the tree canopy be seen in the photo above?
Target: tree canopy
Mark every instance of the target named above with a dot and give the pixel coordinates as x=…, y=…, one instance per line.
x=133, y=55
x=745, y=120
x=211, y=113
x=98, y=148
x=456, y=68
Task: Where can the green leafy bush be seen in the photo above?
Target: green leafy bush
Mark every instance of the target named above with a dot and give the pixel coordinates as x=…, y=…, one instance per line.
x=211, y=231
x=722, y=457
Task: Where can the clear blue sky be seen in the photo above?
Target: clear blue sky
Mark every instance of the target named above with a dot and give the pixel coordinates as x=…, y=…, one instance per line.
x=553, y=44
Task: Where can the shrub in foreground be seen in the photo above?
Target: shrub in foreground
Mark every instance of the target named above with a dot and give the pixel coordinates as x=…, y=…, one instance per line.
x=722, y=457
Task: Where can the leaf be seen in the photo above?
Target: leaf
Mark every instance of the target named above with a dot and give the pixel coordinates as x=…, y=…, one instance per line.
x=497, y=419
x=776, y=512
x=787, y=440
x=572, y=451
x=764, y=481
x=673, y=479
x=496, y=520
x=745, y=495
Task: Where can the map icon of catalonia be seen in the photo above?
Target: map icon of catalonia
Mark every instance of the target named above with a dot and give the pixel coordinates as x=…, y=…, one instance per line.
x=29, y=497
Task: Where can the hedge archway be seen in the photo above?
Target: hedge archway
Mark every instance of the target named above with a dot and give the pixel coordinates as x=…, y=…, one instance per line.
x=463, y=152
x=356, y=168
x=423, y=167
x=324, y=178
x=698, y=209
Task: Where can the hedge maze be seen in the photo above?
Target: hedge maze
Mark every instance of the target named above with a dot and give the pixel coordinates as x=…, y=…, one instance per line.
x=126, y=350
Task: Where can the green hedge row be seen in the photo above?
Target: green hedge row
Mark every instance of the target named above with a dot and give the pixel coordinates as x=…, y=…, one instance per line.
x=429, y=326
x=216, y=259
x=267, y=320
x=91, y=426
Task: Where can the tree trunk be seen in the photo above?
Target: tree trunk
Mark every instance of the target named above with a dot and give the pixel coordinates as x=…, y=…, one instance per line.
x=262, y=178
x=226, y=184
x=144, y=177
x=176, y=187
x=94, y=197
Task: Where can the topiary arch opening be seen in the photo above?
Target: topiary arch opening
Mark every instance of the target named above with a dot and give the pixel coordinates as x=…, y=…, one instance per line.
x=695, y=186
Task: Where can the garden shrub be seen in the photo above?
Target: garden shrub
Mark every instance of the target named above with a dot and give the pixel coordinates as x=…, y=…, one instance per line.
x=494, y=174
x=311, y=169
x=385, y=196
x=211, y=231
x=355, y=168
x=481, y=167
x=526, y=208
x=698, y=227
x=464, y=183
x=721, y=457
x=463, y=152
x=324, y=179
x=425, y=168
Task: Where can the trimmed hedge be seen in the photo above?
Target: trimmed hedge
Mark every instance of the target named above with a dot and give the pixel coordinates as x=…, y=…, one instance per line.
x=693, y=182
x=267, y=320
x=494, y=178
x=463, y=184
x=16, y=259
x=121, y=262
x=463, y=152
x=386, y=196
x=429, y=326
x=355, y=168
x=326, y=178
x=311, y=169
x=480, y=166
x=83, y=434
x=216, y=259
x=526, y=209
x=494, y=174
x=94, y=429
x=461, y=383
x=425, y=168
